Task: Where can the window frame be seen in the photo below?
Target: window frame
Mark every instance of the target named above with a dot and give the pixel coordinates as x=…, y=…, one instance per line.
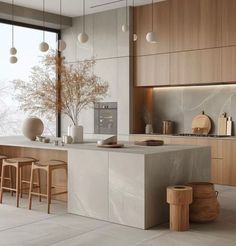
x=58, y=92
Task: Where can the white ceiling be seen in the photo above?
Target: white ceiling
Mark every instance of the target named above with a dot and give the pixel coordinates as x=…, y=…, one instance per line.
x=73, y=8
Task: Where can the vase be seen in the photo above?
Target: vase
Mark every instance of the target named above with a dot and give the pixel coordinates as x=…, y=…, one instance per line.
x=205, y=206
x=32, y=127
x=148, y=129
x=76, y=132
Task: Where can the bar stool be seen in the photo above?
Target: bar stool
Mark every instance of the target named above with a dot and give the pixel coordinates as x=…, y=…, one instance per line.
x=9, y=178
x=49, y=167
x=19, y=164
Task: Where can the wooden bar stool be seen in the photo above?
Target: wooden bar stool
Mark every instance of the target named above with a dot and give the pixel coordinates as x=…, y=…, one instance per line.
x=48, y=167
x=19, y=164
x=9, y=178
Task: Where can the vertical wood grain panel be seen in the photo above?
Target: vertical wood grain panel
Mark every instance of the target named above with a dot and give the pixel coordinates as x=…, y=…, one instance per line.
x=152, y=70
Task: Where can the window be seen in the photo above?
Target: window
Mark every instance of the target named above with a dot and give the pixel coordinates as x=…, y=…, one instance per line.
x=27, y=42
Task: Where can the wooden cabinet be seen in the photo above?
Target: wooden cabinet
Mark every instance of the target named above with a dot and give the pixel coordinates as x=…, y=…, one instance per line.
x=151, y=70
x=228, y=8
x=195, y=67
x=229, y=63
x=143, y=25
x=194, y=24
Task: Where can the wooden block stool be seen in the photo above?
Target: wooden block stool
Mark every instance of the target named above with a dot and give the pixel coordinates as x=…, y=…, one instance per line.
x=48, y=167
x=9, y=178
x=19, y=164
x=179, y=198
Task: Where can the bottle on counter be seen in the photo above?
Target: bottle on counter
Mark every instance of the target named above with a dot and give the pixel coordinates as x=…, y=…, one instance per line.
x=229, y=126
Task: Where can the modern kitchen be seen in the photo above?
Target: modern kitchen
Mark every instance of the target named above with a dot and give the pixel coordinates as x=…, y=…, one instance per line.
x=118, y=122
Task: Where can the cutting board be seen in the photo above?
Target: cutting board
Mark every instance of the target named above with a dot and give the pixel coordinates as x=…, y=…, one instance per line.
x=149, y=143
x=201, y=124
x=222, y=124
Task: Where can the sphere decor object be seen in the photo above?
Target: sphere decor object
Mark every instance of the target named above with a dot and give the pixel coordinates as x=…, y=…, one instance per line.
x=125, y=28
x=13, y=51
x=83, y=37
x=43, y=47
x=151, y=37
x=13, y=59
x=32, y=127
x=61, y=45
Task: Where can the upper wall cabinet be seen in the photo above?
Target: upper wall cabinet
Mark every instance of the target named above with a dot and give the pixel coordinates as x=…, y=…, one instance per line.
x=228, y=22
x=195, y=24
x=143, y=25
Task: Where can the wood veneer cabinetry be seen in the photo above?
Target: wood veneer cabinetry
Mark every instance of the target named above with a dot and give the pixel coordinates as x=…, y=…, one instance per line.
x=196, y=43
x=223, y=155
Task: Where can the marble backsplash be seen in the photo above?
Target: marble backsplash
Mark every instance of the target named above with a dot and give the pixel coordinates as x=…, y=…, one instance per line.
x=181, y=104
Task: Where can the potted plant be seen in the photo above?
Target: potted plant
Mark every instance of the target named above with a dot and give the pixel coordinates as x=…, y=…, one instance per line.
x=79, y=88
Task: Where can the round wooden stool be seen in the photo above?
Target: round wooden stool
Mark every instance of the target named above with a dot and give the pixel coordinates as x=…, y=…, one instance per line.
x=9, y=178
x=48, y=167
x=179, y=198
x=19, y=164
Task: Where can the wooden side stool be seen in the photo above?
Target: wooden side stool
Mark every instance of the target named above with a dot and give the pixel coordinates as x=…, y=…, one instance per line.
x=179, y=197
x=9, y=178
x=19, y=164
x=48, y=167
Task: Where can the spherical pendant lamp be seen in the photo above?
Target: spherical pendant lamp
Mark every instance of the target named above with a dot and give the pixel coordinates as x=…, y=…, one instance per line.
x=83, y=36
x=61, y=44
x=151, y=37
x=125, y=27
x=13, y=59
x=43, y=46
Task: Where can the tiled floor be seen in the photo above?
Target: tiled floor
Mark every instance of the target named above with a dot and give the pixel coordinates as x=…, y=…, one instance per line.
x=23, y=227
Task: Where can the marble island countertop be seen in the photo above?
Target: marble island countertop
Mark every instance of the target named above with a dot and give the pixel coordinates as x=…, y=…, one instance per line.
x=129, y=147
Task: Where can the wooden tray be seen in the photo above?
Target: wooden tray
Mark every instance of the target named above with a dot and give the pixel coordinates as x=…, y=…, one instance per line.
x=110, y=145
x=150, y=143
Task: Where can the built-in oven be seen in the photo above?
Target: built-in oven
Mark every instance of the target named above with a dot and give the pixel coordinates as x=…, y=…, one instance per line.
x=105, y=118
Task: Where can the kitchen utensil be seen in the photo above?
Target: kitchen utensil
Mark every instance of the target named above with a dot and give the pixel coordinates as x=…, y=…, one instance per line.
x=167, y=127
x=201, y=124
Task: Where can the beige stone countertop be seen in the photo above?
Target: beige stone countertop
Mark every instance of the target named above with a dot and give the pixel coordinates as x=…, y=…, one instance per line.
x=177, y=136
x=20, y=141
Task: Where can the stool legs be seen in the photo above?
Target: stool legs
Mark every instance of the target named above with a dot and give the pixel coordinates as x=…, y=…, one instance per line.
x=49, y=185
x=18, y=191
x=31, y=188
x=2, y=179
x=39, y=185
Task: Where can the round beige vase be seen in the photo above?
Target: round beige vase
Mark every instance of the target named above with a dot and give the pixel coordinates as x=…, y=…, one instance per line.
x=76, y=132
x=32, y=127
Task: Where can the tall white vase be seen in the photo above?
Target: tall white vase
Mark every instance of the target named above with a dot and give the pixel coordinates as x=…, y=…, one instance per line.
x=76, y=132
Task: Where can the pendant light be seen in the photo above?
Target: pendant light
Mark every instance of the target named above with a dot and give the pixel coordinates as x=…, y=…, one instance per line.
x=61, y=44
x=151, y=37
x=125, y=27
x=135, y=36
x=13, y=50
x=83, y=36
x=43, y=47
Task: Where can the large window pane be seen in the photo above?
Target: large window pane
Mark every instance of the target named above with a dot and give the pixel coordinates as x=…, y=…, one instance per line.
x=27, y=42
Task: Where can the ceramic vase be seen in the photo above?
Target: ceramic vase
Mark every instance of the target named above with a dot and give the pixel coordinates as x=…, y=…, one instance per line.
x=32, y=127
x=149, y=129
x=76, y=132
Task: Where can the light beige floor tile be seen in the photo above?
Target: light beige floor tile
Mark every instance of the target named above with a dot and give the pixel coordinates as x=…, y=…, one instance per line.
x=189, y=238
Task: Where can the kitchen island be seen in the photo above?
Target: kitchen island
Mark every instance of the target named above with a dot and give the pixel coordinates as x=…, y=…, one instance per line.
x=125, y=186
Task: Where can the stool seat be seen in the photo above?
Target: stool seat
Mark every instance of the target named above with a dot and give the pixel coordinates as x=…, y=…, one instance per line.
x=52, y=163
x=3, y=157
x=20, y=160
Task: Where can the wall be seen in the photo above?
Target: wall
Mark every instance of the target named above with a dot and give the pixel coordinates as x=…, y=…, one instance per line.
x=111, y=49
x=182, y=104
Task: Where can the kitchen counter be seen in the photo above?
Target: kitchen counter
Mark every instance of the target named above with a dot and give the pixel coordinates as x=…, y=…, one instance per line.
x=125, y=186
x=176, y=136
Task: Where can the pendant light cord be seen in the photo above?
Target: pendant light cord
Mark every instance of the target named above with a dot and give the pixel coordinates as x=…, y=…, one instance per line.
x=152, y=13
x=60, y=15
x=83, y=16
x=12, y=27
x=43, y=20
x=126, y=12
